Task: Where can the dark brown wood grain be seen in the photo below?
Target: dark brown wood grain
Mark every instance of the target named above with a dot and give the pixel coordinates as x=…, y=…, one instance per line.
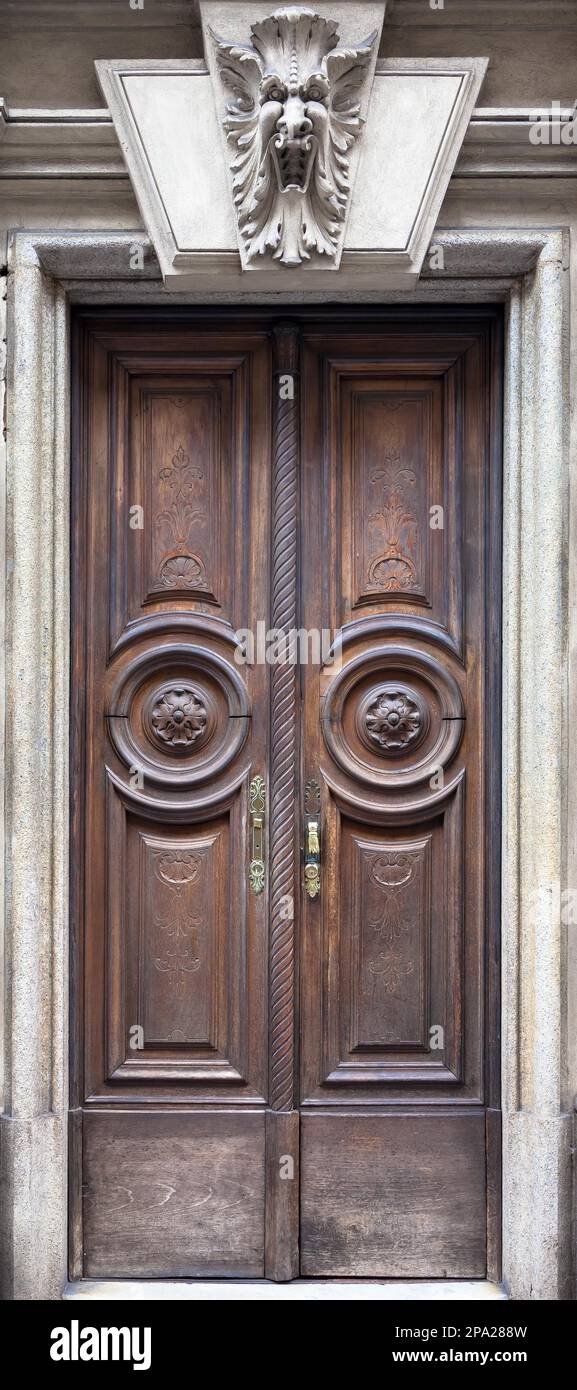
x=205, y=1017
x=75, y=1216
x=172, y=462
x=282, y=1195
x=173, y=1194
x=393, y=1195
x=399, y=435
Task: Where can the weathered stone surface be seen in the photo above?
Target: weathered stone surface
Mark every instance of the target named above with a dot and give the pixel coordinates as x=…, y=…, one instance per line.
x=37, y=818
x=398, y=167
x=292, y=103
x=536, y=1131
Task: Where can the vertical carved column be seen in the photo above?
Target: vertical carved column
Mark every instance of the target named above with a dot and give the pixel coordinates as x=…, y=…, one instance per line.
x=284, y=713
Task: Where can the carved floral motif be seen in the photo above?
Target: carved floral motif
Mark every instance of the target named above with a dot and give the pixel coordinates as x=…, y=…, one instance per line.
x=178, y=868
x=182, y=473
x=183, y=572
x=392, y=870
x=390, y=874
x=392, y=720
x=179, y=717
x=292, y=116
x=176, y=923
x=396, y=525
x=390, y=972
x=179, y=568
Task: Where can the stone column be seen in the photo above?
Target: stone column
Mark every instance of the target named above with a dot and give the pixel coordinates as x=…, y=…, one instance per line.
x=33, y=1126
x=536, y=1119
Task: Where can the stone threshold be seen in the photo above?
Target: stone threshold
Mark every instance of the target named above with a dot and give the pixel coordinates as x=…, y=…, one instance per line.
x=302, y=1290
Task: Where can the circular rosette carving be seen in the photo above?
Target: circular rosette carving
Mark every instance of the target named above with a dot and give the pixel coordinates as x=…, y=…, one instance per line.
x=393, y=717
x=179, y=715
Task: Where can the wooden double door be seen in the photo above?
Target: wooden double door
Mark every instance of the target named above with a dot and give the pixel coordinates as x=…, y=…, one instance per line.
x=285, y=767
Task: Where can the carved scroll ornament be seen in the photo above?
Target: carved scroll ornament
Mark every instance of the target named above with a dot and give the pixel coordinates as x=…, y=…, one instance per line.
x=292, y=116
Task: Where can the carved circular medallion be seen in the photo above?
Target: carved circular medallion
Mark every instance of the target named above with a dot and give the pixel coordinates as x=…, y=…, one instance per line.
x=391, y=718
x=179, y=714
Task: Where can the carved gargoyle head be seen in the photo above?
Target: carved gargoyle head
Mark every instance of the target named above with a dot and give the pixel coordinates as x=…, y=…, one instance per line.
x=292, y=115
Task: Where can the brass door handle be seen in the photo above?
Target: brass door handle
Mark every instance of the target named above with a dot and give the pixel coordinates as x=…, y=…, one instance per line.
x=312, y=846
x=256, y=804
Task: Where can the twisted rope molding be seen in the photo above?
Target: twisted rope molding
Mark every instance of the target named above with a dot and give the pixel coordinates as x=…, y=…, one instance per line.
x=283, y=728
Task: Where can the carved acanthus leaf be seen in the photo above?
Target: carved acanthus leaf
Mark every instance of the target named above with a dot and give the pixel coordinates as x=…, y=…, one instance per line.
x=293, y=113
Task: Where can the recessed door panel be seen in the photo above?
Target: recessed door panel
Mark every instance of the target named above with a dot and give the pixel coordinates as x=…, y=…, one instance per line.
x=370, y=1207
x=173, y=1195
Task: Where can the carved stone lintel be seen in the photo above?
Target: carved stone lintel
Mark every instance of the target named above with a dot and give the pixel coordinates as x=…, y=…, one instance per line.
x=395, y=169
x=292, y=113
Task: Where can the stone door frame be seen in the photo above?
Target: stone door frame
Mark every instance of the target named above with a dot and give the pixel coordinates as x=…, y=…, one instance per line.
x=528, y=270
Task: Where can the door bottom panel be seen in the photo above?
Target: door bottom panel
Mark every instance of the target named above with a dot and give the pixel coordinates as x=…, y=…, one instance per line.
x=393, y=1196
x=173, y=1195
